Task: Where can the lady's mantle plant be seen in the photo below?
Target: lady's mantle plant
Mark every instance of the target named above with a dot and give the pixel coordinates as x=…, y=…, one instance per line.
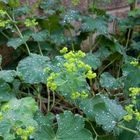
x=51, y=92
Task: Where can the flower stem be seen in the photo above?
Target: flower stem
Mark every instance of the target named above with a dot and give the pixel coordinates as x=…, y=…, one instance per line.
x=48, y=107
x=20, y=34
x=128, y=129
x=93, y=129
x=53, y=102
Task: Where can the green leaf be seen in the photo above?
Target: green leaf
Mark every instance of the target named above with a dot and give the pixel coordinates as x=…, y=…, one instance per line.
x=5, y=1
x=16, y=42
x=22, y=10
x=103, y=111
x=131, y=76
x=32, y=68
x=131, y=1
x=102, y=53
x=40, y=36
x=8, y=75
x=70, y=15
x=70, y=82
x=6, y=92
x=58, y=38
x=109, y=82
x=91, y=24
x=20, y=113
x=134, y=13
x=92, y=60
x=70, y=127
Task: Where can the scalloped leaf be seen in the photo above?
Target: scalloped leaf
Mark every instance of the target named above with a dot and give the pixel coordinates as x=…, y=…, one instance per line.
x=91, y=24
x=70, y=127
x=8, y=75
x=92, y=60
x=109, y=82
x=40, y=36
x=6, y=92
x=16, y=42
x=19, y=114
x=32, y=68
x=104, y=111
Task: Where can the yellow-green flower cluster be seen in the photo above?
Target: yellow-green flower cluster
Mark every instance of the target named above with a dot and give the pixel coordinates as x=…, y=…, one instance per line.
x=3, y=23
x=30, y=22
x=5, y=107
x=75, y=2
x=134, y=63
x=77, y=55
x=91, y=74
x=76, y=95
x=2, y=12
x=134, y=93
x=47, y=69
x=25, y=133
x=70, y=67
x=1, y=116
x=50, y=81
x=131, y=111
x=64, y=50
x=74, y=63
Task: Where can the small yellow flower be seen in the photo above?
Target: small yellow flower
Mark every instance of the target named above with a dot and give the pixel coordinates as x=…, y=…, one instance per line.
x=19, y=131
x=52, y=86
x=81, y=64
x=64, y=50
x=70, y=67
x=80, y=54
x=30, y=22
x=91, y=75
x=87, y=67
x=72, y=60
x=5, y=107
x=129, y=108
x=24, y=137
x=134, y=91
x=30, y=129
x=84, y=94
x=75, y=2
x=134, y=63
x=1, y=117
x=69, y=55
x=128, y=118
x=2, y=12
x=75, y=95
x=137, y=115
x=47, y=69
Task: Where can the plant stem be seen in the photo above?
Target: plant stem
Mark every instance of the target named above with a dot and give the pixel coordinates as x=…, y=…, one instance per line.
x=128, y=38
x=20, y=34
x=90, y=42
x=72, y=38
x=38, y=44
x=34, y=28
x=107, y=66
x=40, y=101
x=128, y=129
x=53, y=102
x=91, y=88
x=48, y=107
x=93, y=130
x=5, y=35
